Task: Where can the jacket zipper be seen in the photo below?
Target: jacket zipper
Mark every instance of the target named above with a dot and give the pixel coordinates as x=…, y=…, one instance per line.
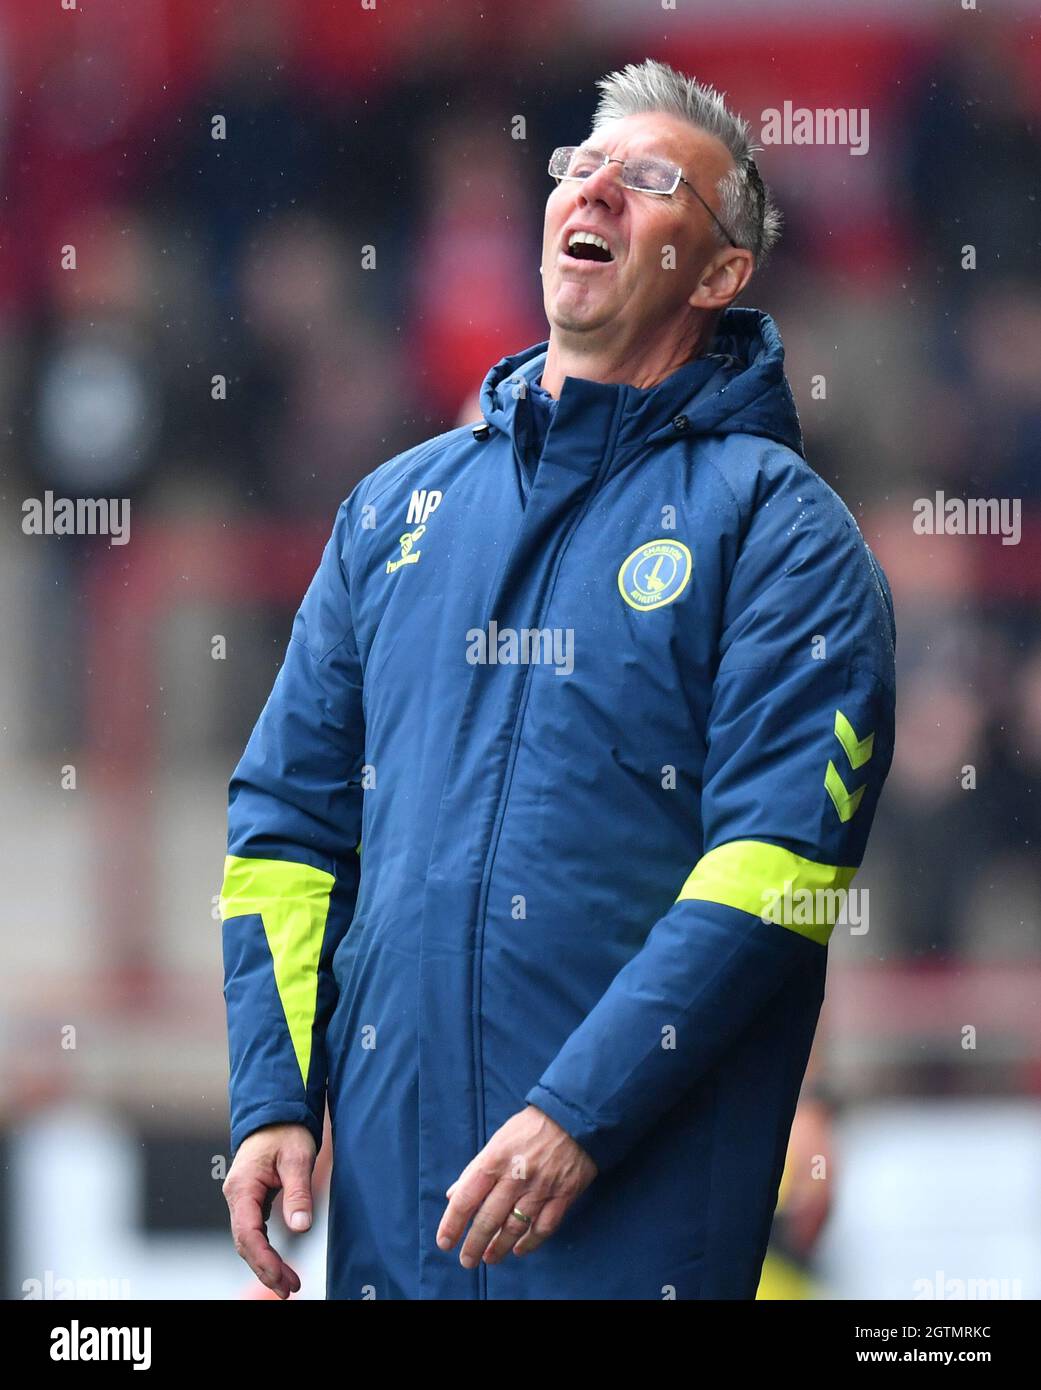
x=500, y=814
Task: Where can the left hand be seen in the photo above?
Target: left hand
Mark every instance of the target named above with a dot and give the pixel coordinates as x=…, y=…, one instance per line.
x=531, y=1164
x=807, y=1200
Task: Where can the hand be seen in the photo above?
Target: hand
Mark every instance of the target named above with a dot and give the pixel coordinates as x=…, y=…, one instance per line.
x=276, y=1157
x=531, y=1164
x=808, y=1197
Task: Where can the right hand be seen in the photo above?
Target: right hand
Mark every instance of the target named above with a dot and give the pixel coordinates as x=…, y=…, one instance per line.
x=272, y=1159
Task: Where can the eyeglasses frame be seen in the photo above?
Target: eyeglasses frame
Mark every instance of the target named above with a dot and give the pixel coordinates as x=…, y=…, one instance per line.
x=654, y=192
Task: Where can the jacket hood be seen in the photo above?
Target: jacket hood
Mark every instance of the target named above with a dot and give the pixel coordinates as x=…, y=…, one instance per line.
x=738, y=387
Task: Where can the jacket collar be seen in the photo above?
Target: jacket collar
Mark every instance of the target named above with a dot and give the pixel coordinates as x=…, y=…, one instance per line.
x=738, y=386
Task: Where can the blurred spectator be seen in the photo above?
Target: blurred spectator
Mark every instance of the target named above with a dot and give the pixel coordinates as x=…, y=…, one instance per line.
x=254, y=323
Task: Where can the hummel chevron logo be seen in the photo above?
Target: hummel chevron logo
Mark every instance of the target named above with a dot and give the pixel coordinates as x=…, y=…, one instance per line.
x=845, y=802
x=858, y=751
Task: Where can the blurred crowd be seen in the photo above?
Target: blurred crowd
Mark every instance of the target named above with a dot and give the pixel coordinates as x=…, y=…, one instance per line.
x=257, y=320
x=248, y=252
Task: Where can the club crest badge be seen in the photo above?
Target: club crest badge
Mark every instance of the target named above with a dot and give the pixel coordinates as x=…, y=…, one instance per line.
x=655, y=574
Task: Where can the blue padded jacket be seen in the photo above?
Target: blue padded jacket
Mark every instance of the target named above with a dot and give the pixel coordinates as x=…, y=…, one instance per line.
x=571, y=758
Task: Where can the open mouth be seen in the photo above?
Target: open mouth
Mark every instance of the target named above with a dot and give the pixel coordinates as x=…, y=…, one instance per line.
x=587, y=246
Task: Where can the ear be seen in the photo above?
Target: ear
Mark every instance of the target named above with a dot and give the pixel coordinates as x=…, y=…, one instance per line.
x=723, y=279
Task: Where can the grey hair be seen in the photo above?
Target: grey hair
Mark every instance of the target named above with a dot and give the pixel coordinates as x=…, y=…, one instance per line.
x=746, y=208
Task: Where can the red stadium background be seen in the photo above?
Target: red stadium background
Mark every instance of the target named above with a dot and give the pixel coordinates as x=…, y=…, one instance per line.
x=390, y=135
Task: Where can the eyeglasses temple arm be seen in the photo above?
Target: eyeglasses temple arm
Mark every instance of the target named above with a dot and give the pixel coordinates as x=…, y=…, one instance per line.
x=711, y=214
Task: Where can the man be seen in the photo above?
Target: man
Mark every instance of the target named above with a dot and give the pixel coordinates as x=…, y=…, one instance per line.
x=583, y=707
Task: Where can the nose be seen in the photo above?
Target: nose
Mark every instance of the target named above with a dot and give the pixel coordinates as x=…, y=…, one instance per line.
x=603, y=186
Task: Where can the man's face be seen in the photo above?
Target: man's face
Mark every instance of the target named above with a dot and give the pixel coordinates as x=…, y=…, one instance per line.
x=632, y=294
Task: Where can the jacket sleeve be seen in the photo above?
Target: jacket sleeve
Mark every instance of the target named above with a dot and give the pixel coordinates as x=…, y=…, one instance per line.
x=800, y=739
x=292, y=871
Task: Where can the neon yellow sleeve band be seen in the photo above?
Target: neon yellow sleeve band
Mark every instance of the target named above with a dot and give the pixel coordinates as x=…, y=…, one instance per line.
x=772, y=883
x=292, y=901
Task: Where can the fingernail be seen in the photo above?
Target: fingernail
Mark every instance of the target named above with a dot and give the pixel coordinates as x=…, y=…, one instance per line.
x=299, y=1221
x=444, y=1243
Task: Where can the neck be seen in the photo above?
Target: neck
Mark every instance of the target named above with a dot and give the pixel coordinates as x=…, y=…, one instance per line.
x=641, y=365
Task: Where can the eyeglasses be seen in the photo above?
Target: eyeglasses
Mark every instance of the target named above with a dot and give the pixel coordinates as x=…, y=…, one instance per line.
x=644, y=173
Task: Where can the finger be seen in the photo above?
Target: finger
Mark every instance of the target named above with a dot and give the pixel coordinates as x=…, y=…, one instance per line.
x=294, y=1173
x=488, y=1220
x=268, y=1203
x=544, y=1225
x=247, y=1229
x=471, y=1188
x=513, y=1228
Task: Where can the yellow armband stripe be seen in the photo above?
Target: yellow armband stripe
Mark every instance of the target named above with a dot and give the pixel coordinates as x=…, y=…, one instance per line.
x=772, y=883
x=292, y=901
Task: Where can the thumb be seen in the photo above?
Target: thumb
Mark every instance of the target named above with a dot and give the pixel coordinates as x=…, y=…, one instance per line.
x=294, y=1174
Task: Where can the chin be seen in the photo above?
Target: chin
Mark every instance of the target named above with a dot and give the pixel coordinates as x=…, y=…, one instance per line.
x=572, y=323
x=576, y=319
